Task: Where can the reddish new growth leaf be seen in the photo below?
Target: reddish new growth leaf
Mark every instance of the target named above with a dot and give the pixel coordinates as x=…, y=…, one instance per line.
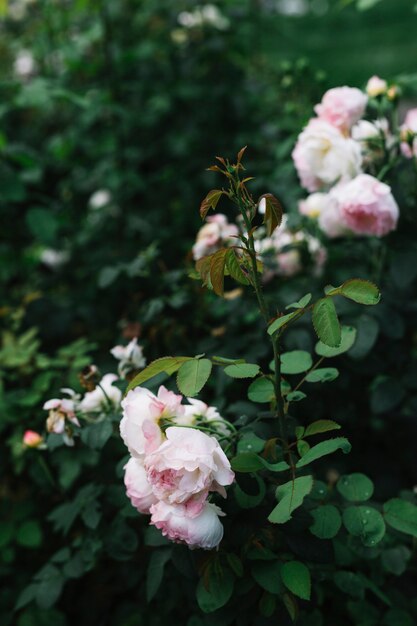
x=210, y=202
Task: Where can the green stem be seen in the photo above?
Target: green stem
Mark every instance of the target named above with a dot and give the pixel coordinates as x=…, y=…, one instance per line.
x=266, y=316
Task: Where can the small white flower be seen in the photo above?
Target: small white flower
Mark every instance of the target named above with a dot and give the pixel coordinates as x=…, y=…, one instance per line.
x=54, y=258
x=24, y=65
x=100, y=198
x=130, y=357
x=104, y=397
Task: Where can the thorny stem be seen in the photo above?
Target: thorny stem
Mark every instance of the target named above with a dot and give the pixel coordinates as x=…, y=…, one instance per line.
x=243, y=208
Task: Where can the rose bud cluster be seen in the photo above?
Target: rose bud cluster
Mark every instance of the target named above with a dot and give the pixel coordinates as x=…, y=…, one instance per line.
x=336, y=157
x=174, y=467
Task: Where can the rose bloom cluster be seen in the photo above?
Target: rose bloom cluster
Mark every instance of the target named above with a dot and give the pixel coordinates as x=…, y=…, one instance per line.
x=174, y=466
x=283, y=252
x=215, y=234
x=336, y=156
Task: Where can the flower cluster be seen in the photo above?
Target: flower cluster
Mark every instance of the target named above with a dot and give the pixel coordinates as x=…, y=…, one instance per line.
x=102, y=397
x=173, y=466
x=217, y=233
x=283, y=252
x=337, y=157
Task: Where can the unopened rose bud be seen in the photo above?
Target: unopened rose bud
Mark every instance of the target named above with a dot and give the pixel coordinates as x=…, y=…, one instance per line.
x=332, y=476
x=393, y=93
x=32, y=439
x=376, y=87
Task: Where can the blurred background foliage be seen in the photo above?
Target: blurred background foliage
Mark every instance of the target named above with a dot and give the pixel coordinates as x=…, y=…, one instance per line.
x=110, y=112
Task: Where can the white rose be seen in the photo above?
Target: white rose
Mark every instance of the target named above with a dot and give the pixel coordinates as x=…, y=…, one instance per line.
x=104, y=397
x=314, y=204
x=323, y=156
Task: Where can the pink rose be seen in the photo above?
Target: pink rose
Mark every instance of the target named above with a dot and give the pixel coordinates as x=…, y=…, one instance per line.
x=323, y=156
x=138, y=488
x=186, y=467
x=32, y=439
x=217, y=232
x=142, y=410
x=366, y=206
x=342, y=107
x=202, y=531
x=409, y=134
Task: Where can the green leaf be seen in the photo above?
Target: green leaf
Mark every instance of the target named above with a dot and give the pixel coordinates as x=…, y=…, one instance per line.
x=273, y=213
x=296, y=577
x=218, y=592
x=268, y=575
x=296, y=396
x=295, y=362
x=193, y=375
x=210, y=201
x=355, y=487
x=321, y=426
x=166, y=364
x=217, y=269
x=250, y=442
x=267, y=604
x=290, y=496
x=250, y=462
x=401, y=515
x=326, y=323
x=281, y=321
x=29, y=534
x=327, y=521
x=364, y=522
x=324, y=448
x=261, y=390
x=234, y=265
x=250, y=501
x=155, y=571
x=96, y=435
x=322, y=375
x=242, y=370
x=361, y=291
x=302, y=302
x=395, y=560
x=347, y=341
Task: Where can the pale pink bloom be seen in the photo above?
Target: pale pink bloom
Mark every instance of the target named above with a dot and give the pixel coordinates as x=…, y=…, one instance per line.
x=376, y=86
x=367, y=206
x=60, y=410
x=130, y=357
x=32, y=439
x=342, y=107
x=409, y=134
x=313, y=205
x=289, y=263
x=331, y=221
x=186, y=467
x=213, y=235
x=323, y=156
x=198, y=411
x=137, y=486
x=142, y=410
x=104, y=397
x=201, y=531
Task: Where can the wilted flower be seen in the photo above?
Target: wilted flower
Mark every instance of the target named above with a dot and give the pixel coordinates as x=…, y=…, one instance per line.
x=130, y=357
x=103, y=398
x=323, y=156
x=201, y=531
x=62, y=411
x=32, y=439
